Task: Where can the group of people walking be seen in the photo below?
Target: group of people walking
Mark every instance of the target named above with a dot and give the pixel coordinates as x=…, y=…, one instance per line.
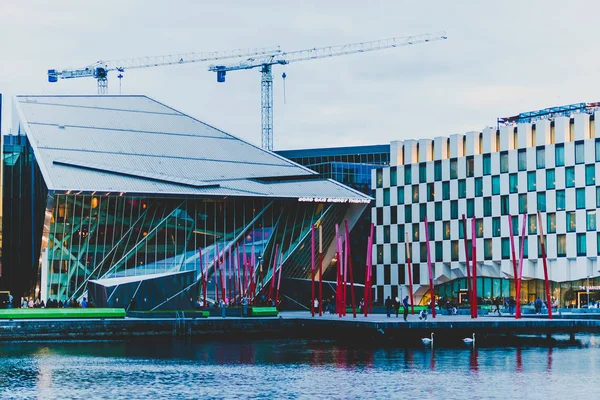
x=393, y=305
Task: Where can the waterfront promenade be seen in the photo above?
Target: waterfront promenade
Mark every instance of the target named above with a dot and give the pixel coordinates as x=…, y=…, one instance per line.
x=296, y=325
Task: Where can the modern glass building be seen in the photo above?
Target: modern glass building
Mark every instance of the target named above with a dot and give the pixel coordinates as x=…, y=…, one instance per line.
x=111, y=190
x=544, y=161
x=351, y=166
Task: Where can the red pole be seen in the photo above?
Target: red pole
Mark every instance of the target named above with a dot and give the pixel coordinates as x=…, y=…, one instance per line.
x=215, y=264
x=543, y=245
x=366, y=288
x=346, y=257
x=467, y=263
x=203, y=275
x=320, y=270
x=430, y=268
x=410, y=277
x=474, y=264
x=520, y=271
x=230, y=275
x=514, y=257
x=279, y=279
x=245, y=268
x=223, y=272
x=312, y=270
x=341, y=277
x=350, y=270
x=371, y=268
x=273, y=273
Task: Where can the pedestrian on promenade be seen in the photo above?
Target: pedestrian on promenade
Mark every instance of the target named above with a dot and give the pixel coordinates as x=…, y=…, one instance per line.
x=223, y=308
x=316, y=306
x=405, y=304
x=244, y=306
x=497, y=303
x=423, y=315
x=388, y=306
x=395, y=306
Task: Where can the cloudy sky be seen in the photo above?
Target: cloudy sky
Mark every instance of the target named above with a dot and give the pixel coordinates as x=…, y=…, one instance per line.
x=501, y=58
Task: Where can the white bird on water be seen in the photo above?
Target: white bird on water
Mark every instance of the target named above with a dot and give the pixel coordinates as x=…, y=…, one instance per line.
x=468, y=341
x=428, y=341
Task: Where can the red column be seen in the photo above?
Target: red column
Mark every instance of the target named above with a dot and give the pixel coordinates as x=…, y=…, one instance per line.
x=349, y=257
x=279, y=279
x=410, y=280
x=468, y=267
x=520, y=271
x=371, y=268
x=474, y=263
x=320, y=270
x=543, y=246
x=514, y=257
x=312, y=270
x=430, y=269
x=273, y=272
x=367, y=292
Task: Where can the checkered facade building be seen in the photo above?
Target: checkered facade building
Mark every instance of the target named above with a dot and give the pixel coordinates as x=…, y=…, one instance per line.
x=547, y=165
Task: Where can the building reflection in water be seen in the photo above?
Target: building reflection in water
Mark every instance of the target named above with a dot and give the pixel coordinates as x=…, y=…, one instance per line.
x=474, y=360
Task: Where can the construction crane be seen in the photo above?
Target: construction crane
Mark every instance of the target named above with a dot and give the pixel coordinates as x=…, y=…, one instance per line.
x=100, y=69
x=265, y=63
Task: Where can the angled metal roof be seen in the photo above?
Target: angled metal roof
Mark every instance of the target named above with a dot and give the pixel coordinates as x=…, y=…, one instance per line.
x=134, y=144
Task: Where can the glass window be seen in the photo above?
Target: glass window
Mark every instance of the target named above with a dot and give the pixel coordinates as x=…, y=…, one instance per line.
x=597, y=196
x=470, y=166
x=532, y=223
x=531, y=181
x=515, y=224
x=579, y=153
x=522, y=160
x=422, y=173
x=462, y=189
x=401, y=233
x=407, y=175
x=571, y=222
x=487, y=249
x=454, y=209
x=590, y=174
x=453, y=169
x=379, y=177
x=570, y=177
x=505, y=249
x=487, y=207
x=598, y=152
x=591, y=220
x=415, y=229
x=526, y=247
x=479, y=227
x=386, y=197
x=461, y=231
x=394, y=251
x=445, y=190
x=386, y=234
x=415, y=193
x=496, y=227
x=401, y=195
x=540, y=157
x=487, y=164
x=504, y=205
x=430, y=192
x=478, y=187
x=496, y=184
x=581, y=244
x=550, y=179
x=522, y=203
x=504, y=161
x=393, y=176
x=437, y=170
x=454, y=250
x=470, y=208
x=560, y=200
x=407, y=214
x=447, y=230
x=559, y=155
x=541, y=201
x=561, y=245
x=393, y=215
x=438, y=211
x=513, y=183
x=431, y=230
x=580, y=198
x=551, y=221
x=439, y=252
x=422, y=212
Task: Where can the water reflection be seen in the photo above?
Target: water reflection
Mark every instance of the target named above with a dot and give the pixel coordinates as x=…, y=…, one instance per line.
x=286, y=369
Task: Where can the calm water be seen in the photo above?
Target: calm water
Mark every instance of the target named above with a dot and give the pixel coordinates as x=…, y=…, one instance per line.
x=294, y=369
